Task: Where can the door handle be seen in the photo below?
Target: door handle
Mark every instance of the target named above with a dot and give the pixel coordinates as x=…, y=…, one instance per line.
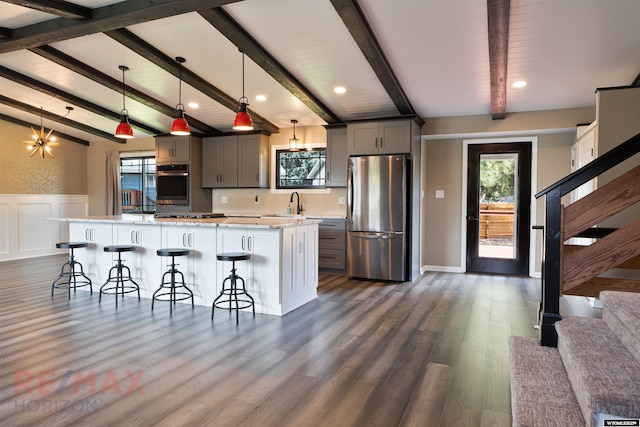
x=472, y=218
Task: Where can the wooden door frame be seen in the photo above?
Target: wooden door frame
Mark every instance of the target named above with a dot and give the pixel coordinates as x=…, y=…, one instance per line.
x=532, y=213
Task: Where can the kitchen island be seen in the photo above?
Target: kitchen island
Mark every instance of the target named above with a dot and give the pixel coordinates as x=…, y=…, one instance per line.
x=281, y=275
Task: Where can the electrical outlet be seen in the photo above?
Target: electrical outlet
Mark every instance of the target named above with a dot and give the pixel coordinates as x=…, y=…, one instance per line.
x=223, y=199
x=341, y=200
x=257, y=199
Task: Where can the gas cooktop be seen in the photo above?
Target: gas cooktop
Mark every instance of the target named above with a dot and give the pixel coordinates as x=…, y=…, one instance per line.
x=189, y=215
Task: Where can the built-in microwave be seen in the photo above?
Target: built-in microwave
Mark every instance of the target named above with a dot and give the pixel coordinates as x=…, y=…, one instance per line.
x=172, y=184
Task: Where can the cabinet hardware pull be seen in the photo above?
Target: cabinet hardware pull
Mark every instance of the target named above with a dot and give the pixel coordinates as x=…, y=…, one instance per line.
x=381, y=142
x=86, y=233
x=184, y=239
x=243, y=243
x=376, y=142
x=189, y=236
x=249, y=244
x=138, y=237
x=91, y=234
x=133, y=237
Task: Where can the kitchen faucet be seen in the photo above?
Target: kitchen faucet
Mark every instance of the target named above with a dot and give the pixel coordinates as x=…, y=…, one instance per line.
x=298, y=207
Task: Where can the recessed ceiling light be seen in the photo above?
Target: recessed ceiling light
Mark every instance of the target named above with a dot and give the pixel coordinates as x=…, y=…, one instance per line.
x=193, y=104
x=340, y=89
x=519, y=84
x=261, y=98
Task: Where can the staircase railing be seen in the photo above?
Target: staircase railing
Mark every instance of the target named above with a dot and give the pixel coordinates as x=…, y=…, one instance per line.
x=565, y=267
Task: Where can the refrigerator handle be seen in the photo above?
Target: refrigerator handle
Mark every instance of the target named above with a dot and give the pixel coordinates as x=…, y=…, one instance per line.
x=349, y=190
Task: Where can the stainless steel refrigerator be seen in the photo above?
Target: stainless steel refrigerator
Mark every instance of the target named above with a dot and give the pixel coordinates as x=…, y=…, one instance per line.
x=377, y=217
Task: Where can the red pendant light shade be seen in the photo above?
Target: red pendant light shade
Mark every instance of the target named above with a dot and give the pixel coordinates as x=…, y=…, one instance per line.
x=243, y=119
x=180, y=125
x=124, y=129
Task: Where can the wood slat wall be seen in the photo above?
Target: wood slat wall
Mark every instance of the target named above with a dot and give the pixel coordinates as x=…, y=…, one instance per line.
x=431, y=352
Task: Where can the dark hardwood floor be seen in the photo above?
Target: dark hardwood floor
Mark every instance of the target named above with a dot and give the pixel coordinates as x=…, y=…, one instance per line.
x=427, y=353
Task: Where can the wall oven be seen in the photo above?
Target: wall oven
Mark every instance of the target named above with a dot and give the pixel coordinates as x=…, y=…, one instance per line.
x=172, y=184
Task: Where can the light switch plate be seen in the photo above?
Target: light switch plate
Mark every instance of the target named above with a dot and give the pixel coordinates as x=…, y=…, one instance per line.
x=439, y=194
x=223, y=199
x=341, y=200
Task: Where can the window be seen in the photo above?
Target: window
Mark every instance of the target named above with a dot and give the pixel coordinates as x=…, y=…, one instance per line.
x=300, y=169
x=138, y=184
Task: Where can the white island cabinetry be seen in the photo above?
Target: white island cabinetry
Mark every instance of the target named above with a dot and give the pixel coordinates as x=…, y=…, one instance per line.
x=199, y=267
x=281, y=275
x=144, y=263
x=278, y=274
x=95, y=261
x=299, y=264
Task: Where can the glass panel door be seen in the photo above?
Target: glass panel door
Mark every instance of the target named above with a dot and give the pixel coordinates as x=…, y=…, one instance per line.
x=497, y=200
x=498, y=208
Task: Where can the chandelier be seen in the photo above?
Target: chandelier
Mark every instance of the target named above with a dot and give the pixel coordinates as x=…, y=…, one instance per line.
x=41, y=143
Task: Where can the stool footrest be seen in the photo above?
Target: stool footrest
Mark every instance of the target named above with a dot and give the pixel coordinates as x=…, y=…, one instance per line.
x=71, y=273
x=237, y=297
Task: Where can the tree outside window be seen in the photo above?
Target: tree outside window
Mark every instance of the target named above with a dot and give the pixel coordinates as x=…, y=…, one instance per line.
x=300, y=169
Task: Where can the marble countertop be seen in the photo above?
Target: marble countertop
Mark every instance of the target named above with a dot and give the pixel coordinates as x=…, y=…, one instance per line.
x=239, y=221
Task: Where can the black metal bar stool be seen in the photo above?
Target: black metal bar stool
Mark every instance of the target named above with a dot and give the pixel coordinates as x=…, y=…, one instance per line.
x=119, y=281
x=232, y=290
x=71, y=270
x=177, y=290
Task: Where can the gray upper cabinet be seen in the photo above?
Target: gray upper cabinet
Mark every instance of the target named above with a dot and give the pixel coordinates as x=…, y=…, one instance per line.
x=220, y=162
x=336, y=157
x=383, y=137
x=173, y=149
x=235, y=161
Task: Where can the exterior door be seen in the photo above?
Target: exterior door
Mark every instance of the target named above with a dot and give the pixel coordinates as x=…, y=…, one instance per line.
x=498, y=208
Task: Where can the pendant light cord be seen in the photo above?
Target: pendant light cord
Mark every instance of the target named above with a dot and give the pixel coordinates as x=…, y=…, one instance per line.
x=180, y=60
x=124, y=108
x=243, y=75
x=180, y=84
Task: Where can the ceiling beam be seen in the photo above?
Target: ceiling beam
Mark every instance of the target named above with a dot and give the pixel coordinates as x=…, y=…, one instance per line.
x=498, y=25
x=59, y=119
x=361, y=31
x=258, y=54
x=64, y=9
x=105, y=18
x=149, y=52
x=10, y=119
x=71, y=99
x=83, y=69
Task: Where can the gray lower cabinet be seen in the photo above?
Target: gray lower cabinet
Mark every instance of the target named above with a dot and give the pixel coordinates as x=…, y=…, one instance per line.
x=332, y=245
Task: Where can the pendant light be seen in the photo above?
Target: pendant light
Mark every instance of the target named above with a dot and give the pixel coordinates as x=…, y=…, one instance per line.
x=294, y=143
x=180, y=125
x=243, y=119
x=42, y=142
x=124, y=129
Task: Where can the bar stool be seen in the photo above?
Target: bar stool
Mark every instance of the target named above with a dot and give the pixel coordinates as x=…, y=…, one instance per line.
x=71, y=274
x=177, y=290
x=232, y=291
x=119, y=281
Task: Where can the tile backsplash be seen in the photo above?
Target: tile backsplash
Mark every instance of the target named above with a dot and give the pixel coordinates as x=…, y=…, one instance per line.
x=243, y=200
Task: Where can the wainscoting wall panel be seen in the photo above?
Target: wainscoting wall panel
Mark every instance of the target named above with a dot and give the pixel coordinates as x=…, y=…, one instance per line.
x=26, y=232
